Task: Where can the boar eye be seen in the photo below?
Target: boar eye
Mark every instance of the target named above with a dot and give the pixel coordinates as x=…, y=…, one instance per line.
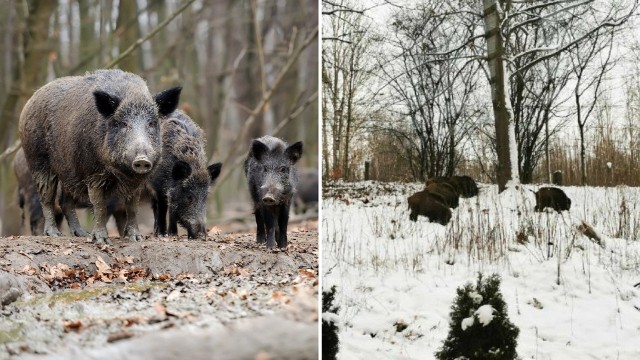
x=152, y=123
x=120, y=124
x=264, y=168
x=284, y=169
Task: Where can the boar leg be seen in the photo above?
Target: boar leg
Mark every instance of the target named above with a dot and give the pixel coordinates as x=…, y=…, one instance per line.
x=173, y=224
x=121, y=221
x=260, y=233
x=160, y=215
x=99, y=232
x=131, y=230
x=283, y=221
x=270, y=225
x=69, y=211
x=48, y=187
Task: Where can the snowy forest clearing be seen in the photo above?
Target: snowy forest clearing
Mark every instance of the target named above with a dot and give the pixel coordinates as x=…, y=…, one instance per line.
x=570, y=297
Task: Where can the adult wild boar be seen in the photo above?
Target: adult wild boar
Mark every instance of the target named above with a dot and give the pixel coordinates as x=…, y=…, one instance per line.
x=98, y=135
x=307, y=191
x=446, y=191
x=425, y=204
x=28, y=197
x=272, y=177
x=182, y=178
x=551, y=197
x=464, y=185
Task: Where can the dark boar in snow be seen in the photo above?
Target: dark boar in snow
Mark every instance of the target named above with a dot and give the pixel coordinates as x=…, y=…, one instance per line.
x=98, y=136
x=464, y=185
x=551, y=197
x=272, y=177
x=446, y=191
x=425, y=204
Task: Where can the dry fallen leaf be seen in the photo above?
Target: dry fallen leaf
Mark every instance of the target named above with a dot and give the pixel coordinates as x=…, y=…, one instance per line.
x=102, y=266
x=27, y=270
x=72, y=325
x=215, y=231
x=68, y=251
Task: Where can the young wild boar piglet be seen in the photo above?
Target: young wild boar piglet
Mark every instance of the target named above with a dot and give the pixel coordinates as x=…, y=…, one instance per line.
x=181, y=181
x=98, y=135
x=272, y=177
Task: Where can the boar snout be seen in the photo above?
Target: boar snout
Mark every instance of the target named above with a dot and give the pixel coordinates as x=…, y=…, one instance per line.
x=269, y=199
x=142, y=164
x=196, y=230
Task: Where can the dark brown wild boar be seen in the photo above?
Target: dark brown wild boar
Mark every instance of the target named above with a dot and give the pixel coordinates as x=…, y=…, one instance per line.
x=446, y=191
x=551, y=197
x=98, y=135
x=423, y=203
x=464, y=185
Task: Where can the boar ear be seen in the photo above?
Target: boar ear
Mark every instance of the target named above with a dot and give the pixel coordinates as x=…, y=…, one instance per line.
x=168, y=100
x=105, y=103
x=181, y=170
x=214, y=171
x=294, y=152
x=258, y=149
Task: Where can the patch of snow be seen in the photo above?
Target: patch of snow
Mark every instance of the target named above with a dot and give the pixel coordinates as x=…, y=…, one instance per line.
x=386, y=267
x=485, y=314
x=467, y=322
x=477, y=298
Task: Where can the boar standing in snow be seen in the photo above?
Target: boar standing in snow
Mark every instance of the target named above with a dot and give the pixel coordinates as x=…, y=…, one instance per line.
x=446, y=191
x=551, y=197
x=98, y=135
x=464, y=185
x=426, y=204
x=272, y=177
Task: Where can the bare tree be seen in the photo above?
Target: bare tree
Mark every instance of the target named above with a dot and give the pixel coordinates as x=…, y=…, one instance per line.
x=431, y=90
x=588, y=83
x=345, y=72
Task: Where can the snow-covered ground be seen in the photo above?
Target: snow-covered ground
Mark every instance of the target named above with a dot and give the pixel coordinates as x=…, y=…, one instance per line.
x=570, y=297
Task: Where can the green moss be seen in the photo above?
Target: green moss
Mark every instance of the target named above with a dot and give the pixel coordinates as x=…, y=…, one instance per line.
x=11, y=335
x=70, y=296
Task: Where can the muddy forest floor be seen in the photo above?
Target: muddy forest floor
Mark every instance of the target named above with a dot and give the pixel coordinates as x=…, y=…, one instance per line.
x=78, y=295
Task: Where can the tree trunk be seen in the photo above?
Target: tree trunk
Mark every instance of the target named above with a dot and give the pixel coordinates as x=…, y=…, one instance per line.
x=505, y=132
x=27, y=77
x=546, y=144
x=87, y=36
x=128, y=32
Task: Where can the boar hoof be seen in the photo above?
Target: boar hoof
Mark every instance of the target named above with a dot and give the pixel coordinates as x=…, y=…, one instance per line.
x=100, y=236
x=52, y=231
x=80, y=232
x=133, y=234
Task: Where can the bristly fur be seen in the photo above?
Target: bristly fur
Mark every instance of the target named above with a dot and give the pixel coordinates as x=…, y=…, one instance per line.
x=85, y=132
x=182, y=179
x=272, y=175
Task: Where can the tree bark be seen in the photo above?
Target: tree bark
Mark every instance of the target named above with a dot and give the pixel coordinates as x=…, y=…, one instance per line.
x=505, y=132
x=128, y=31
